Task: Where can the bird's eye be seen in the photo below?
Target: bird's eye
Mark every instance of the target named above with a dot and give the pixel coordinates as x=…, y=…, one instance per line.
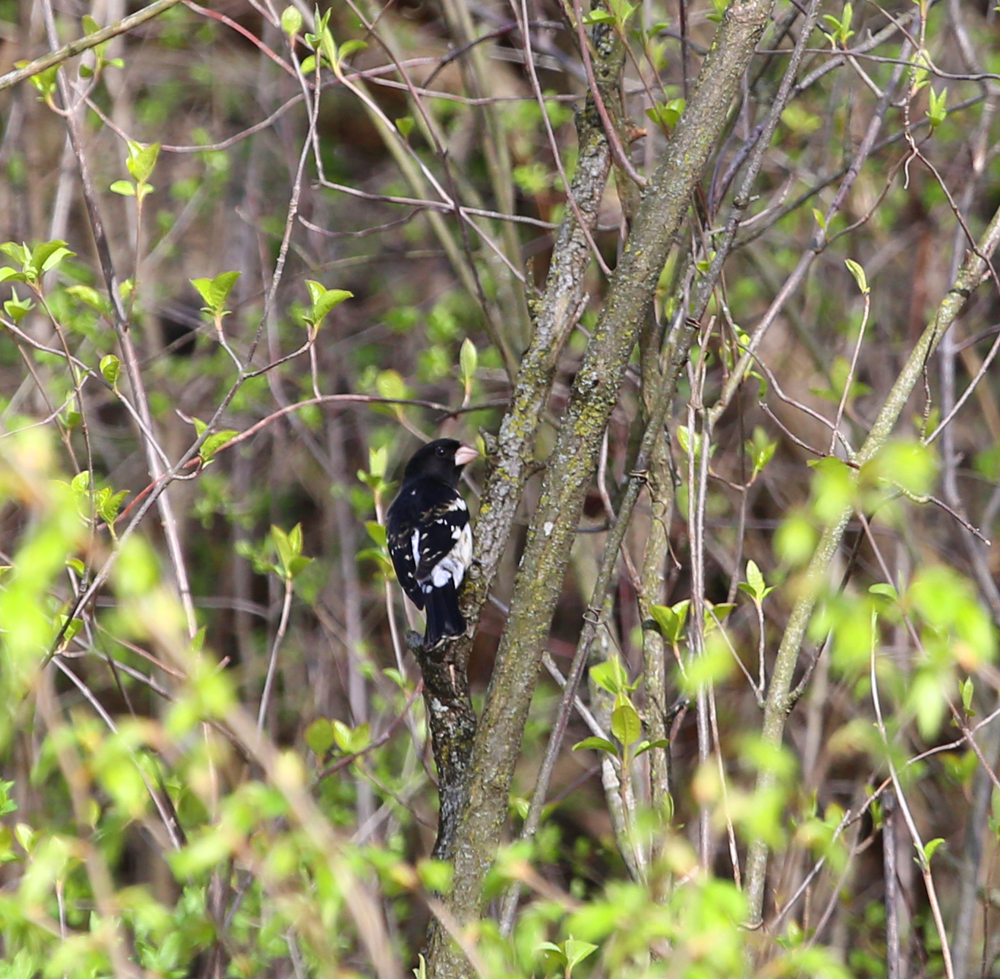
x=440, y=450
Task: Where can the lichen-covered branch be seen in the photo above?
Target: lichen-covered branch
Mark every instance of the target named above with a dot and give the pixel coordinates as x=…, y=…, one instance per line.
x=573, y=461
x=452, y=720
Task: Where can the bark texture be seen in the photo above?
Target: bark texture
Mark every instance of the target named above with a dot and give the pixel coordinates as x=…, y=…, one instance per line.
x=573, y=461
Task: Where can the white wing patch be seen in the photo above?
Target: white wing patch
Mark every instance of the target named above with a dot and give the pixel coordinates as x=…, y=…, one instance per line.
x=454, y=563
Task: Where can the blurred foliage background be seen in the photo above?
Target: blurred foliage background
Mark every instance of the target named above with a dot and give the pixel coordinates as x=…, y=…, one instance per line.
x=215, y=756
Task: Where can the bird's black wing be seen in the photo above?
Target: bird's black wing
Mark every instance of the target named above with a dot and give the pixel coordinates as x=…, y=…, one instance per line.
x=425, y=523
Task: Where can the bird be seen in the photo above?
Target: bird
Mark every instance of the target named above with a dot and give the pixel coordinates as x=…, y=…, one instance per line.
x=429, y=537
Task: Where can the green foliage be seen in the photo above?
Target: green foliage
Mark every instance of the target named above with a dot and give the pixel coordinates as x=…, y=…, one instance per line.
x=754, y=586
x=288, y=546
x=666, y=115
x=291, y=21
x=840, y=28
x=140, y=162
x=150, y=692
x=30, y=264
x=215, y=292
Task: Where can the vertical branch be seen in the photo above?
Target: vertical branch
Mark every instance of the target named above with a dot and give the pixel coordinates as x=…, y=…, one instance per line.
x=152, y=450
x=574, y=459
x=451, y=718
x=891, y=884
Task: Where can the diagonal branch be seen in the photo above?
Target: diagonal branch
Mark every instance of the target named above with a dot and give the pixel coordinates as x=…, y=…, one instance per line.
x=970, y=276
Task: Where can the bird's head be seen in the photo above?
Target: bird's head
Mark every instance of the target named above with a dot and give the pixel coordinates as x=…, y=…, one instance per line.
x=442, y=458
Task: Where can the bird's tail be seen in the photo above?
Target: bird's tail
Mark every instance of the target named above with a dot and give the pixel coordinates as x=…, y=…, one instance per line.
x=443, y=615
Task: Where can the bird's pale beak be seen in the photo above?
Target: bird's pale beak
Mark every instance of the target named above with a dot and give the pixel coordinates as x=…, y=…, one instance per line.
x=464, y=455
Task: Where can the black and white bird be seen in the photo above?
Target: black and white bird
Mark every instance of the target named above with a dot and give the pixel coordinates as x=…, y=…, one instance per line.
x=429, y=537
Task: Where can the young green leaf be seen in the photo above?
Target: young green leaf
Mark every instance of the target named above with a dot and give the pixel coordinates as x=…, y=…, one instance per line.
x=859, y=275
x=670, y=620
x=213, y=443
x=319, y=736
x=930, y=848
x=111, y=370
x=936, y=110
x=141, y=160
x=625, y=723
x=575, y=952
x=48, y=255
x=215, y=292
x=291, y=21
x=610, y=675
x=468, y=360
x=376, y=532
x=597, y=744
x=323, y=301
x=968, y=691
x=14, y=307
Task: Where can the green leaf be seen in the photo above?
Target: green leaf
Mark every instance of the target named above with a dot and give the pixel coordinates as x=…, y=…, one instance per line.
x=204, y=287
x=80, y=484
x=222, y=285
x=72, y=626
x=15, y=252
x=435, y=875
x=124, y=188
x=885, y=590
x=14, y=307
x=666, y=115
x=597, y=744
x=576, y=951
x=670, y=620
x=468, y=360
x=645, y=746
x=49, y=254
x=968, y=691
x=108, y=504
x=625, y=723
x=141, y=160
x=323, y=300
x=610, y=675
x=716, y=613
x=213, y=443
x=291, y=21
x=90, y=297
x=859, y=275
x=390, y=385
x=684, y=438
x=319, y=736
x=936, y=110
x=44, y=81
x=342, y=735
x=376, y=531
x=350, y=47
x=930, y=848
x=111, y=369
x=289, y=548
x=378, y=460
x=215, y=292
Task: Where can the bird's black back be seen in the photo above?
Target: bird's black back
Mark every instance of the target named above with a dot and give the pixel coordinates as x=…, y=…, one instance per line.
x=432, y=505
